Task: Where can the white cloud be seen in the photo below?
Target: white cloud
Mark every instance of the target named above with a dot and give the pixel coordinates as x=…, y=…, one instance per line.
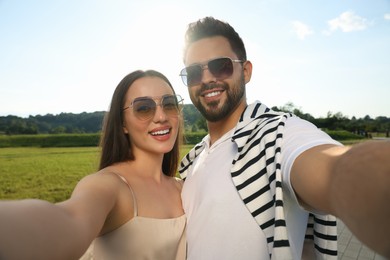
x=301, y=30
x=347, y=22
x=387, y=16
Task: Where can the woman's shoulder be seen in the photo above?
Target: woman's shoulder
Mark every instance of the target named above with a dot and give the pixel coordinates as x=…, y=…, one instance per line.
x=108, y=177
x=178, y=182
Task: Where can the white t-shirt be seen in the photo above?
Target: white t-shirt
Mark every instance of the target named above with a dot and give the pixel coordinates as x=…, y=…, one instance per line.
x=219, y=226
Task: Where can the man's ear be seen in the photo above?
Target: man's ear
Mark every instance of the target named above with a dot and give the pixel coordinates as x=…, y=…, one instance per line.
x=247, y=66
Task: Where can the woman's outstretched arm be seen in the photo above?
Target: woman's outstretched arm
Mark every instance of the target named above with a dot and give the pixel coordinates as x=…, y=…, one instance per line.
x=36, y=229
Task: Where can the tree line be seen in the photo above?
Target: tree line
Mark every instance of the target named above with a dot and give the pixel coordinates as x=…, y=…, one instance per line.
x=52, y=124
x=193, y=122
x=365, y=126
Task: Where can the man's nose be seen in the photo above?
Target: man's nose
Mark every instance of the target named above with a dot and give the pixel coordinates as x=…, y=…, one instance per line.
x=207, y=76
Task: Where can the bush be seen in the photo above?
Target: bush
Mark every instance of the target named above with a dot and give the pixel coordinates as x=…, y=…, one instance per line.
x=193, y=137
x=71, y=140
x=90, y=140
x=342, y=135
x=50, y=140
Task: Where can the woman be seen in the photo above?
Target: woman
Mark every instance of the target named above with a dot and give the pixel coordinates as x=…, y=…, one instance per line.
x=132, y=205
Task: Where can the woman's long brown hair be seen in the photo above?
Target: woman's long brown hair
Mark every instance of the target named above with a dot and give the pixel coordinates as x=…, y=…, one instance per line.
x=115, y=144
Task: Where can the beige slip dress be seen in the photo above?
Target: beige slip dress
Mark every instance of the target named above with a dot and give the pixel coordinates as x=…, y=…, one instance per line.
x=142, y=238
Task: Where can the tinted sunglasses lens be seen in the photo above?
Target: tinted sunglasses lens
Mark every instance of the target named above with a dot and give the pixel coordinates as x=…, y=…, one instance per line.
x=194, y=75
x=170, y=105
x=183, y=75
x=144, y=108
x=221, y=68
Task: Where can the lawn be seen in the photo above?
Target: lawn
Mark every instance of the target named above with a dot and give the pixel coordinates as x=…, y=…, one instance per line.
x=46, y=173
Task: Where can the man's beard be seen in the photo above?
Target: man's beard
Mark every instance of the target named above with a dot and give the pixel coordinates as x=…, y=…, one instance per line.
x=234, y=95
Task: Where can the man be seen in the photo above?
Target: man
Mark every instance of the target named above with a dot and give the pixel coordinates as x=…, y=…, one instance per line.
x=261, y=183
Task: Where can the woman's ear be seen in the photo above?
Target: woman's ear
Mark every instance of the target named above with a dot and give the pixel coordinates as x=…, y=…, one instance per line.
x=125, y=130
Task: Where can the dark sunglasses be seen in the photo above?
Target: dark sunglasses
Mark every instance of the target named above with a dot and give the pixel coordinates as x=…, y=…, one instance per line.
x=221, y=68
x=144, y=108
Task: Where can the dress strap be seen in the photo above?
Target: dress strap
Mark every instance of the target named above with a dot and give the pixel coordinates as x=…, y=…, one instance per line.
x=132, y=193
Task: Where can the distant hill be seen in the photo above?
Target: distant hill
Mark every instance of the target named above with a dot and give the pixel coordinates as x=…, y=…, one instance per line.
x=70, y=122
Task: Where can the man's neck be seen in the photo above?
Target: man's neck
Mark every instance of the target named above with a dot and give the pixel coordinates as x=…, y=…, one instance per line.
x=221, y=127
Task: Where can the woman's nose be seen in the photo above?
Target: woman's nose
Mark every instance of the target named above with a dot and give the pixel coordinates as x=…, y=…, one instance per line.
x=160, y=114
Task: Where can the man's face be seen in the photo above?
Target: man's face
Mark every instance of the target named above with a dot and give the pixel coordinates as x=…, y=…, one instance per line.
x=215, y=98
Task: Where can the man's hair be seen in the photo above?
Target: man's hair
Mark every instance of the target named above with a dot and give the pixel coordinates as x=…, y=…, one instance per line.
x=115, y=144
x=210, y=27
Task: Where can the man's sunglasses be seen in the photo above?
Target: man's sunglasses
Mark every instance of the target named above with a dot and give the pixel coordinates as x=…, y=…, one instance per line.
x=144, y=108
x=221, y=68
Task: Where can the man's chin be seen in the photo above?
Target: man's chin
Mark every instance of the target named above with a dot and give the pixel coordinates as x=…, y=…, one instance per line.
x=214, y=114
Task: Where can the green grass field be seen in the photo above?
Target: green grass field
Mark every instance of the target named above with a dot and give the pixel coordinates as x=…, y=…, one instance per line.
x=49, y=173
x=46, y=173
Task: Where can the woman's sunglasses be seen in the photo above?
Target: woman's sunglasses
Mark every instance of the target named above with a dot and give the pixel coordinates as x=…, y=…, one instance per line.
x=221, y=68
x=144, y=108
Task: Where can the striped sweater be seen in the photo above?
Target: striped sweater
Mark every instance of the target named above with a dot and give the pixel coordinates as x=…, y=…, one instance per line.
x=256, y=173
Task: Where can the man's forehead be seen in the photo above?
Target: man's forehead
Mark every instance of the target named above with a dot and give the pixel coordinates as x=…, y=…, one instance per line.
x=208, y=48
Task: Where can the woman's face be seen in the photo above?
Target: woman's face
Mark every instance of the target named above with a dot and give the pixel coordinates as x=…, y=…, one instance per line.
x=150, y=132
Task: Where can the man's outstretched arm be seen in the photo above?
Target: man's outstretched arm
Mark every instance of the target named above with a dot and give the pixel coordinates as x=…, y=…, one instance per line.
x=352, y=183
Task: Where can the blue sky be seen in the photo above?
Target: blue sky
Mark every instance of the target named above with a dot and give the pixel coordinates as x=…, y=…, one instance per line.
x=69, y=55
